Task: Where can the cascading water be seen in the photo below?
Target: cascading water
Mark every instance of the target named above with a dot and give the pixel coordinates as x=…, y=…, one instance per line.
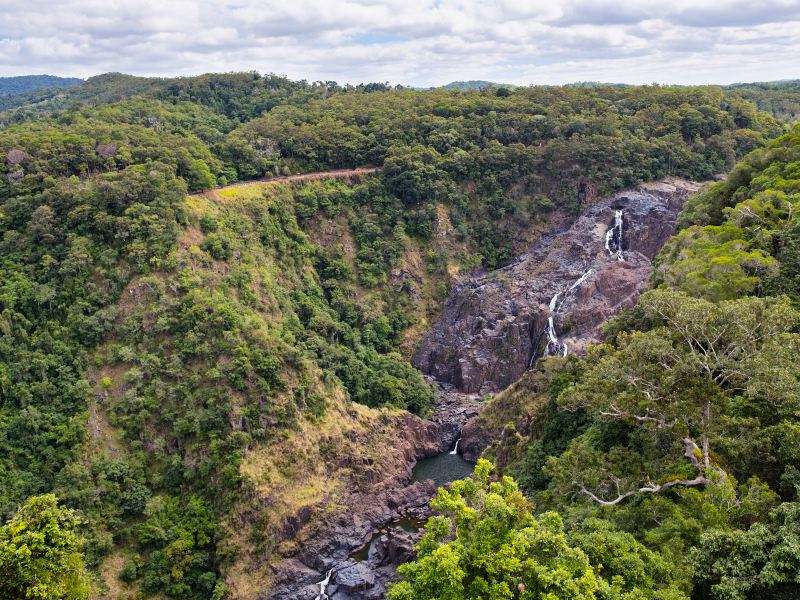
x=455, y=450
x=323, y=585
x=614, y=244
x=614, y=247
x=582, y=278
x=554, y=345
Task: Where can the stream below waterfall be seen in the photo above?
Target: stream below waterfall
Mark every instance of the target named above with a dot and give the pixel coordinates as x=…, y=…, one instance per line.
x=562, y=287
x=443, y=469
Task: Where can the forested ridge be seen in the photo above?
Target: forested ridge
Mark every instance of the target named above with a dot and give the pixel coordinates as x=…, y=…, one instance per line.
x=667, y=458
x=154, y=343
x=16, y=86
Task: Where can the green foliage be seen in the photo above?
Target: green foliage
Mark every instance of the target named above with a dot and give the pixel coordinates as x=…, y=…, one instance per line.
x=761, y=562
x=181, y=532
x=234, y=326
x=716, y=262
x=666, y=385
x=681, y=432
x=58, y=283
x=740, y=235
x=40, y=555
x=629, y=568
x=487, y=543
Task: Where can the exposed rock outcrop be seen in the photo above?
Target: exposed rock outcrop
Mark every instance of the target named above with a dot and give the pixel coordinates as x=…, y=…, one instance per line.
x=388, y=497
x=494, y=324
x=493, y=328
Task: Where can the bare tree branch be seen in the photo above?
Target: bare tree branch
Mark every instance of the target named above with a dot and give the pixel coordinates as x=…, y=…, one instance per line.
x=648, y=489
x=660, y=421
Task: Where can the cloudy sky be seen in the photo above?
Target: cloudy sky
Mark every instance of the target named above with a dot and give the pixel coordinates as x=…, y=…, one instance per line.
x=413, y=42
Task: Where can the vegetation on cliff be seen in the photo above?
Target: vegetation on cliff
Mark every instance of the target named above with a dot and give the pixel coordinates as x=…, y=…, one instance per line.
x=683, y=428
x=154, y=342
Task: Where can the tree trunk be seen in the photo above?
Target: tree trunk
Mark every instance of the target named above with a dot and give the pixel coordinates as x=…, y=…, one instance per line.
x=706, y=428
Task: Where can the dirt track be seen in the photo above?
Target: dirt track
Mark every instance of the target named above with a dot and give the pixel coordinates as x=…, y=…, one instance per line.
x=335, y=173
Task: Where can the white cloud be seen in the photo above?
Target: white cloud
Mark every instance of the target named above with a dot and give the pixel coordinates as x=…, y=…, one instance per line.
x=417, y=42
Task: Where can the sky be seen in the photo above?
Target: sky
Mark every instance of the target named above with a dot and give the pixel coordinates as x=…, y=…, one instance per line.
x=411, y=42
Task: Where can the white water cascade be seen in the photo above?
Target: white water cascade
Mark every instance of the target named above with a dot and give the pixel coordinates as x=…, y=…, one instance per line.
x=552, y=339
x=324, y=584
x=554, y=345
x=614, y=237
x=455, y=450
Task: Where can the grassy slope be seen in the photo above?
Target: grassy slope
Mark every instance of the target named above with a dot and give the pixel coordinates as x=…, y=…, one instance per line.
x=305, y=458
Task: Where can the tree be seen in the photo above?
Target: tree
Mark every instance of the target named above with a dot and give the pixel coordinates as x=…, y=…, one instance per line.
x=715, y=262
x=40, y=554
x=762, y=562
x=666, y=384
x=200, y=176
x=487, y=544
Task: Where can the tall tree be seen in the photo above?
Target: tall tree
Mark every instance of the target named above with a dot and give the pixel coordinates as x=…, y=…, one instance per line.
x=40, y=555
x=667, y=384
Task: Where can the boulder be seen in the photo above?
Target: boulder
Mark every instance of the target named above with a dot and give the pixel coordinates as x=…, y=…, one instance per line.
x=357, y=577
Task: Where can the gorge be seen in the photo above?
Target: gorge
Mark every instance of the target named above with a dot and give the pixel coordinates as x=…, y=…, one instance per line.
x=249, y=324
x=494, y=326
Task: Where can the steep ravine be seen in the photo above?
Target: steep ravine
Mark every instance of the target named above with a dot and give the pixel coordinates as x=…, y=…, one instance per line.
x=494, y=326
x=393, y=496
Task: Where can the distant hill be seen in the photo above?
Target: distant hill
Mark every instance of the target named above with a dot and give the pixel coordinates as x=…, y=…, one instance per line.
x=475, y=84
x=11, y=86
x=591, y=84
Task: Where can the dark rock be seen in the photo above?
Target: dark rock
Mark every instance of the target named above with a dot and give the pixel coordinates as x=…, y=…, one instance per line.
x=474, y=439
x=302, y=577
x=493, y=325
x=490, y=332
x=395, y=548
x=357, y=577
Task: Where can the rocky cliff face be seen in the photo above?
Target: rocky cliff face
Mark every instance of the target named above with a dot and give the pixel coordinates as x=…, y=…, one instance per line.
x=326, y=541
x=493, y=328
x=495, y=325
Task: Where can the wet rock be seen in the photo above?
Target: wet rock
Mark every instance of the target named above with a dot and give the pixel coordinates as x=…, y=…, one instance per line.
x=395, y=548
x=491, y=330
x=357, y=577
x=296, y=580
x=474, y=439
x=382, y=500
x=493, y=325
x=454, y=406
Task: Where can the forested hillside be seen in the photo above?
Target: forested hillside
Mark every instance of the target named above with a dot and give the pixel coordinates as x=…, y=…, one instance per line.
x=674, y=445
x=12, y=86
x=188, y=373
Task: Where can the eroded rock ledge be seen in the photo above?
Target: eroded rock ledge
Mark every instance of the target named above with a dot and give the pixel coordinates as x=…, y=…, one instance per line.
x=494, y=324
x=387, y=499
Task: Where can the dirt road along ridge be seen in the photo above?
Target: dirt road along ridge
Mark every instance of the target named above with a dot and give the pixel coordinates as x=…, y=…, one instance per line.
x=332, y=174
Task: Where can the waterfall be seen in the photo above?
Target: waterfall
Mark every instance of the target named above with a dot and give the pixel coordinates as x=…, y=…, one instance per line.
x=582, y=278
x=614, y=247
x=322, y=585
x=553, y=301
x=455, y=450
x=614, y=244
x=554, y=345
